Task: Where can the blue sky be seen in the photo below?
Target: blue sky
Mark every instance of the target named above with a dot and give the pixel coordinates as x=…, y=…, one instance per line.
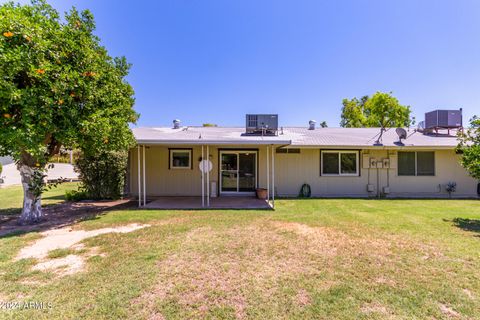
x=215, y=60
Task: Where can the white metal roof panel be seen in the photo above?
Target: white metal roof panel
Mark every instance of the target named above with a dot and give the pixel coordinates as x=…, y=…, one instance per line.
x=293, y=136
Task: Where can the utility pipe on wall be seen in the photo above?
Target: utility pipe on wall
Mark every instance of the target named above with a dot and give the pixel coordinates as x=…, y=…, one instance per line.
x=203, y=180
x=273, y=177
x=138, y=178
x=208, y=177
x=268, y=175
x=144, y=180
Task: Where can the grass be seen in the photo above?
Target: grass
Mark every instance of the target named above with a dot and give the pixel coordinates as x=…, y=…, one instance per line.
x=59, y=253
x=322, y=259
x=11, y=198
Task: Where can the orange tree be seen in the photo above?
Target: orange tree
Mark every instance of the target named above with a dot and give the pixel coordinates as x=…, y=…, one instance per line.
x=58, y=88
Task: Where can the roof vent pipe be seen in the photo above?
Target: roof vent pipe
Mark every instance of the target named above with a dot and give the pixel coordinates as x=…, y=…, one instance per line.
x=176, y=124
x=311, y=124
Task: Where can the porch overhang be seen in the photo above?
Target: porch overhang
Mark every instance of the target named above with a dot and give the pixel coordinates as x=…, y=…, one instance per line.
x=200, y=142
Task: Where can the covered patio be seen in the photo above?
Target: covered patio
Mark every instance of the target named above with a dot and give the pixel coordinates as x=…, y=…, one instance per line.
x=233, y=202
x=197, y=167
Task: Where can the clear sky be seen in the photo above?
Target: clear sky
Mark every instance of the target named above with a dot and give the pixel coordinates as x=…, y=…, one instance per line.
x=215, y=60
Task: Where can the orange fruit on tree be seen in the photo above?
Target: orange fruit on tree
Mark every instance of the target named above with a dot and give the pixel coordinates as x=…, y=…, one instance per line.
x=40, y=71
x=8, y=34
x=7, y=115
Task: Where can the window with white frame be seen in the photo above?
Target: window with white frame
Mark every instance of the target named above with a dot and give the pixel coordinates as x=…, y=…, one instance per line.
x=180, y=159
x=416, y=163
x=339, y=163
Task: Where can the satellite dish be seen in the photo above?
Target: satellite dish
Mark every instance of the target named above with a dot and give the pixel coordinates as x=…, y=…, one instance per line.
x=402, y=133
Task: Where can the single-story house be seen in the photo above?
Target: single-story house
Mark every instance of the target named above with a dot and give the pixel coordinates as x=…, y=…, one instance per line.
x=333, y=162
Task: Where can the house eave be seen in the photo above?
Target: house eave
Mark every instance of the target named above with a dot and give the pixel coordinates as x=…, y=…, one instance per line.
x=213, y=142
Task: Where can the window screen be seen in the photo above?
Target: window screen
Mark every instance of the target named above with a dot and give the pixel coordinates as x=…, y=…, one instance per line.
x=330, y=163
x=180, y=159
x=421, y=163
x=348, y=163
x=340, y=163
x=288, y=150
x=425, y=164
x=406, y=163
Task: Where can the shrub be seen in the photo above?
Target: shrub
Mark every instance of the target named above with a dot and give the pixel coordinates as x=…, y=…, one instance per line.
x=451, y=187
x=103, y=174
x=76, y=195
x=1, y=168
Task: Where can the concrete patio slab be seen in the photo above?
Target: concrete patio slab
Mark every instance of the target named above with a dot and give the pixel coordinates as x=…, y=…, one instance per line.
x=233, y=202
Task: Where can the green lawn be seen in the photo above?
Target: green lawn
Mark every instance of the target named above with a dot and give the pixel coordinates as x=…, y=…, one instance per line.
x=323, y=259
x=11, y=198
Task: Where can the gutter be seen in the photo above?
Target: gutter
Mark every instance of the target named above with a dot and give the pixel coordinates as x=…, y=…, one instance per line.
x=370, y=147
x=213, y=142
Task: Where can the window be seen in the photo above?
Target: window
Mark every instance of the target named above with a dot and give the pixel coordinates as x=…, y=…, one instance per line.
x=180, y=159
x=339, y=163
x=419, y=163
x=288, y=150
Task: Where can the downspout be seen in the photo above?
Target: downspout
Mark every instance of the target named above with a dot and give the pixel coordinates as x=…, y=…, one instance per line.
x=268, y=174
x=144, y=180
x=139, y=178
x=273, y=177
x=378, y=182
x=203, y=179
x=208, y=176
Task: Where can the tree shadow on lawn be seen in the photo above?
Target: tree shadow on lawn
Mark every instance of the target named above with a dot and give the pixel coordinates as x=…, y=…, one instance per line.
x=61, y=215
x=471, y=225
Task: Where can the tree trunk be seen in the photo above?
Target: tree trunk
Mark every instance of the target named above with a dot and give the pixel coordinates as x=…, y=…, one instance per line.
x=32, y=208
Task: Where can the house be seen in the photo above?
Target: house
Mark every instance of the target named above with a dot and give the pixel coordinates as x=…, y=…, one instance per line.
x=334, y=162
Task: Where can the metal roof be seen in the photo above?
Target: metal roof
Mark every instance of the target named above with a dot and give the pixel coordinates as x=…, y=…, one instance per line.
x=292, y=136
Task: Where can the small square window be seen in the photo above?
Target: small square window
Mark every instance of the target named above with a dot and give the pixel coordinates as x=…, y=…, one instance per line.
x=181, y=159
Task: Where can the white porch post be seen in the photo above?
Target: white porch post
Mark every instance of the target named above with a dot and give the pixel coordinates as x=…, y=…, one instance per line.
x=144, y=180
x=138, y=178
x=268, y=174
x=208, y=177
x=273, y=177
x=203, y=180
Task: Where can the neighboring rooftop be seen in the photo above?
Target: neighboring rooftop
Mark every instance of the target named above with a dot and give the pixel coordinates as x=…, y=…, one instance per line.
x=294, y=136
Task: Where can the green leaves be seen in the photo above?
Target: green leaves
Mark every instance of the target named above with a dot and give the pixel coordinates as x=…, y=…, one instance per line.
x=469, y=147
x=379, y=110
x=59, y=86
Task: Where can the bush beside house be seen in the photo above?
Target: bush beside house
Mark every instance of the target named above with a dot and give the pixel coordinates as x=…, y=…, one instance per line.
x=102, y=175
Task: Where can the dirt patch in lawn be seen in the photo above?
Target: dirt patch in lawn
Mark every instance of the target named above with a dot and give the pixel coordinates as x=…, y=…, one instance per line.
x=64, y=214
x=67, y=238
x=375, y=308
x=64, y=238
x=448, y=311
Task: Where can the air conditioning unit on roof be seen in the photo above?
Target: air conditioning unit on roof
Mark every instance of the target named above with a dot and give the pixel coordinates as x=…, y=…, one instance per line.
x=262, y=124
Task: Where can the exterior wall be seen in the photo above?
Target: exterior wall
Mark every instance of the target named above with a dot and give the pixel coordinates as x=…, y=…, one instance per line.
x=292, y=170
x=162, y=181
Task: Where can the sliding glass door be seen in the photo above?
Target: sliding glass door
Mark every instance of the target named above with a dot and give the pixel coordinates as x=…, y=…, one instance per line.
x=238, y=171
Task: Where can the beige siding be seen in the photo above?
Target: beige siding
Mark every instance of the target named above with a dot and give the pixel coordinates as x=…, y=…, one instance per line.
x=293, y=170
x=297, y=169
x=162, y=181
